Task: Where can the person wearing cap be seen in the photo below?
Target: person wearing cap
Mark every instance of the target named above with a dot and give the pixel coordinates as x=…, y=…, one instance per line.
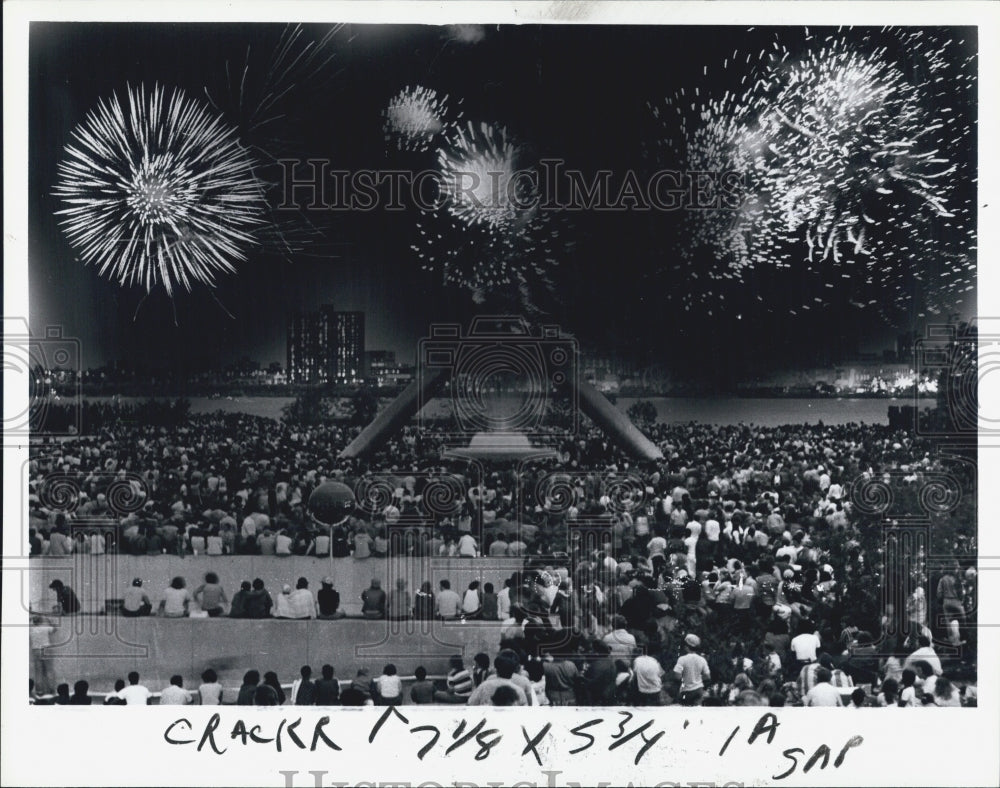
x=328, y=601
x=282, y=603
x=692, y=670
x=135, y=601
x=66, y=601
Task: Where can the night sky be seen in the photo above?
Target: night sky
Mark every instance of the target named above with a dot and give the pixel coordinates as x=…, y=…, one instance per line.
x=579, y=93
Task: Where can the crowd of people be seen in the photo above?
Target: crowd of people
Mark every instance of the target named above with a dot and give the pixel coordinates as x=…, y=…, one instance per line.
x=741, y=544
x=610, y=671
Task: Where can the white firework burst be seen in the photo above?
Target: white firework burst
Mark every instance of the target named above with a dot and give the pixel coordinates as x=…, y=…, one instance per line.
x=158, y=191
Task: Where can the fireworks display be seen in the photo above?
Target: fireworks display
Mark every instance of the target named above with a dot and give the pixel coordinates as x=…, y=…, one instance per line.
x=847, y=154
x=414, y=118
x=158, y=192
x=488, y=235
x=478, y=178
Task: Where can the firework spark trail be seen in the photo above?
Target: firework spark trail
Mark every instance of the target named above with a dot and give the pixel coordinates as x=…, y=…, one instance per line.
x=263, y=95
x=477, y=164
x=488, y=235
x=847, y=151
x=158, y=191
x=415, y=118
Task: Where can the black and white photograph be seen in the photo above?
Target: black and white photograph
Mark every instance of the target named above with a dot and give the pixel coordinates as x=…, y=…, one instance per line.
x=625, y=370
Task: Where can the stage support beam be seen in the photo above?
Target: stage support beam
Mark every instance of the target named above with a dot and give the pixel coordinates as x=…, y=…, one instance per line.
x=615, y=423
x=395, y=416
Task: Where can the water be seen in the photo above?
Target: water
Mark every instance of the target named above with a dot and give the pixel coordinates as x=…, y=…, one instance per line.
x=766, y=412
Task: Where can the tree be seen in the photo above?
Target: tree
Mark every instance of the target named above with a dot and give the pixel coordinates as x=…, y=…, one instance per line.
x=364, y=406
x=309, y=408
x=642, y=414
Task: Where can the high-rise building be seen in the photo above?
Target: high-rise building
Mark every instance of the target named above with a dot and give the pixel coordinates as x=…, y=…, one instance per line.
x=348, y=356
x=326, y=346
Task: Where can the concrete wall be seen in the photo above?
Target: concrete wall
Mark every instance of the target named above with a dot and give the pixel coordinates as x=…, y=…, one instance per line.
x=96, y=579
x=101, y=649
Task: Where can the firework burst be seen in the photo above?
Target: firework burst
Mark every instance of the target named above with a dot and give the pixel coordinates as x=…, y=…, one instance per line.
x=850, y=155
x=158, y=192
x=489, y=236
x=414, y=118
x=479, y=178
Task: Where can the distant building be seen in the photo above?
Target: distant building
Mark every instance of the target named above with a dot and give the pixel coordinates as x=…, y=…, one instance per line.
x=326, y=346
x=348, y=347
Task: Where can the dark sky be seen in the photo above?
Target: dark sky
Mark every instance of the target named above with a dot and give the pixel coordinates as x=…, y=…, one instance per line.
x=578, y=93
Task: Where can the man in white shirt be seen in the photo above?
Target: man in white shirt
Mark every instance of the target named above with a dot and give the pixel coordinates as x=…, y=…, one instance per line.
x=619, y=639
x=134, y=694
x=804, y=646
x=927, y=653
x=649, y=680
x=467, y=547
x=175, y=694
x=823, y=692
x=448, y=602
x=693, y=671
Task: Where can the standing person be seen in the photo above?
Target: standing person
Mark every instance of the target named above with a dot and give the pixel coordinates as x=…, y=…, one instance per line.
x=600, y=676
x=213, y=596
x=175, y=694
x=135, y=602
x=66, y=602
x=135, y=694
x=804, y=647
x=176, y=599
x=949, y=596
x=210, y=690
x=693, y=671
x=238, y=608
x=327, y=688
x=40, y=638
x=561, y=675
x=649, y=680
x=328, y=600
x=536, y=675
x=373, y=600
